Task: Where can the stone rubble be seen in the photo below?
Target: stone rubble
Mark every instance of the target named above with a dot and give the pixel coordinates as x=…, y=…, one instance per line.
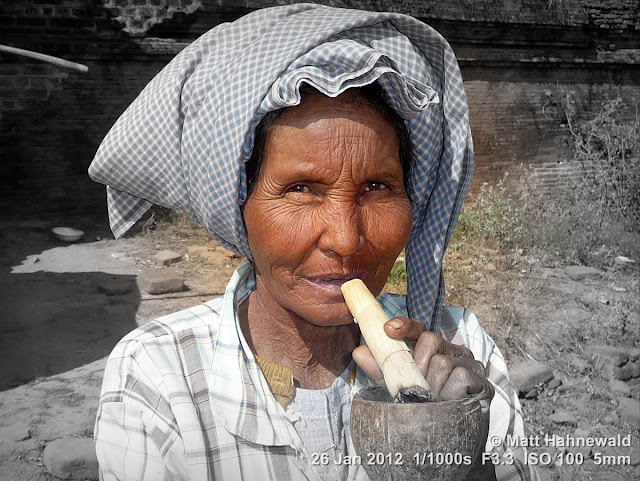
x=623, y=261
x=616, y=363
x=163, y=281
x=15, y=432
x=620, y=406
x=563, y=418
x=165, y=258
x=71, y=458
x=620, y=387
x=527, y=376
x=13, y=436
x=629, y=410
x=579, y=273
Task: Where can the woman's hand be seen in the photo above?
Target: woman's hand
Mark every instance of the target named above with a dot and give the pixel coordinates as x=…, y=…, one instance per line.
x=450, y=369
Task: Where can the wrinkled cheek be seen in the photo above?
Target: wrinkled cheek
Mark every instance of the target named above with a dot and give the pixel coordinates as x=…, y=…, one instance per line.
x=277, y=240
x=402, y=230
x=389, y=228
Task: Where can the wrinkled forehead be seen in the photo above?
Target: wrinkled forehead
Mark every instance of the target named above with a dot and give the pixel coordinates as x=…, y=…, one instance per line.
x=317, y=110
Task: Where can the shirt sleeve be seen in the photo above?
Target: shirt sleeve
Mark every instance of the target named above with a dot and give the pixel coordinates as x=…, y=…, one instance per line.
x=506, y=427
x=135, y=433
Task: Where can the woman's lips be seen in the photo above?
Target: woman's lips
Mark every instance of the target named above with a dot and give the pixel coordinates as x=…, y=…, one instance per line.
x=331, y=283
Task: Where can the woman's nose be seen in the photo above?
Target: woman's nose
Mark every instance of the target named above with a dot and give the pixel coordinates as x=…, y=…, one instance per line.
x=343, y=234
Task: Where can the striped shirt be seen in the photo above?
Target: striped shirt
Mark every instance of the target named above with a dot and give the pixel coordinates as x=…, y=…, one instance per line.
x=183, y=398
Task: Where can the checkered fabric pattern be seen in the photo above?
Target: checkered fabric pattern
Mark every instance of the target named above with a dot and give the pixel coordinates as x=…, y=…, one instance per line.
x=184, y=141
x=169, y=412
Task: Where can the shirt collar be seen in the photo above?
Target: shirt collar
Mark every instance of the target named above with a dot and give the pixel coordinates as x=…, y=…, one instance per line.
x=240, y=396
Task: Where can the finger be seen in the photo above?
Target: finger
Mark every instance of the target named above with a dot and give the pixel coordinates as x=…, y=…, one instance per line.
x=442, y=346
x=463, y=383
x=404, y=328
x=365, y=360
x=470, y=363
x=486, y=394
x=428, y=345
x=452, y=377
x=478, y=368
x=436, y=376
x=456, y=350
x=485, y=398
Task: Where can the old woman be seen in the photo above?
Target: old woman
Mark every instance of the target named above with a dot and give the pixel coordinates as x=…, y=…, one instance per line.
x=318, y=143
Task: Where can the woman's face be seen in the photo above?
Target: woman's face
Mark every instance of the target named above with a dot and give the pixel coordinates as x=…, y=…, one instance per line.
x=329, y=205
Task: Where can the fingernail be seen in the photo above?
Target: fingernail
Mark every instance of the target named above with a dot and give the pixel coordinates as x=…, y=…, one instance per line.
x=395, y=324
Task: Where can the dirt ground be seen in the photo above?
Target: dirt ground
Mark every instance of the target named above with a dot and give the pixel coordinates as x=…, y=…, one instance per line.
x=64, y=306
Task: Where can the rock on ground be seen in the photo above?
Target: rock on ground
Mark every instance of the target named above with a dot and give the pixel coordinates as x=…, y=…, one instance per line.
x=71, y=458
x=563, y=418
x=12, y=437
x=16, y=432
x=526, y=376
x=629, y=410
x=616, y=355
x=578, y=273
x=615, y=362
x=160, y=282
x=164, y=258
x=623, y=261
x=620, y=387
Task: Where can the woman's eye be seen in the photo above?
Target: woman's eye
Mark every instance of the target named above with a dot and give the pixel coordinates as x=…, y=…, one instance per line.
x=298, y=188
x=371, y=186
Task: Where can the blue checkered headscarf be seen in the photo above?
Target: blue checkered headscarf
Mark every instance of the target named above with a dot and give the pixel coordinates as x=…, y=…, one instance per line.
x=184, y=141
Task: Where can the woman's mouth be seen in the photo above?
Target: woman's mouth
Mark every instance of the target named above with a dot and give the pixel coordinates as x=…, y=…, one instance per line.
x=331, y=283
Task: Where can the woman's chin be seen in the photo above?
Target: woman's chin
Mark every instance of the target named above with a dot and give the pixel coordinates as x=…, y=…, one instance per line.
x=330, y=315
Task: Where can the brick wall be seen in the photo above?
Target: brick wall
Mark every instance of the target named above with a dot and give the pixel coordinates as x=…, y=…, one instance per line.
x=138, y=16
x=22, y=83
x=134, y=17
x=520, y=126
x=517, y=58
x=53, y=126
